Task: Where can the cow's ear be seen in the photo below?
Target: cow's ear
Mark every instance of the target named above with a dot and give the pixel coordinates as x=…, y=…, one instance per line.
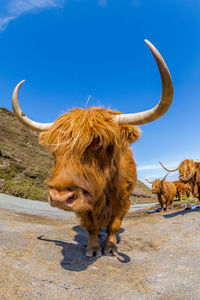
x=129, y=134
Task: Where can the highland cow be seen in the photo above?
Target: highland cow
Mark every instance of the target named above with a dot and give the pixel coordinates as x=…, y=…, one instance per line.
x=189, y=172
x=165, y=191
x=181, y=189
x=94, y=172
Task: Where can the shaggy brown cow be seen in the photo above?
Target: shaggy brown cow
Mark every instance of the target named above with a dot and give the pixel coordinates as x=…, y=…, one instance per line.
x=189, y=172
x=94, y=170
x=165, y=191
x=181, y=189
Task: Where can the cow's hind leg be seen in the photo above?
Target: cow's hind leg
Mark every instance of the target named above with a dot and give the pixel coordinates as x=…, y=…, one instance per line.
x=196, y=192
x=93, y=247
x=112, y=229
x=188, y=194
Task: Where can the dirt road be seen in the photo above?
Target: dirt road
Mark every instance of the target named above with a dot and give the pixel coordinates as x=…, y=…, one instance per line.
x=42, y=257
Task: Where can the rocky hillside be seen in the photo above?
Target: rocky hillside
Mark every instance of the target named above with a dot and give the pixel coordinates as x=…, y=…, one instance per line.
x=24, y=164
x=142, y=193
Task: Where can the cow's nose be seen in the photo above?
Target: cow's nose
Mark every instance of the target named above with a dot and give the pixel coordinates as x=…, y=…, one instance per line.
x=61, y=196
x=183, y=178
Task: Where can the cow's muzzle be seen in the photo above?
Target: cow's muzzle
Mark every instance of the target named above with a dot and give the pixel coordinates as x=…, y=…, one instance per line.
x=64, y=198
x=184, y=178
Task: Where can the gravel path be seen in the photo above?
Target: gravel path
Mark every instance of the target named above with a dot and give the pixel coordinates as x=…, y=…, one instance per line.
x=42, y=256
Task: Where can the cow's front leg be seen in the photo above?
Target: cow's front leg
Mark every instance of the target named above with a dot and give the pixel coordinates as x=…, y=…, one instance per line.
x=93, y=247
x=167, y=205
x=196, y=192
x=180, y=196
x=171, y=204
x=112, y=229
x=161, y=200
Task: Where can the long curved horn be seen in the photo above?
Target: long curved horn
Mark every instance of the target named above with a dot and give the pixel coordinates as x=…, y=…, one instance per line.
x=22, y=117
x=166, y=99
x=149, y=181
x=165, y=177
x=168, y=170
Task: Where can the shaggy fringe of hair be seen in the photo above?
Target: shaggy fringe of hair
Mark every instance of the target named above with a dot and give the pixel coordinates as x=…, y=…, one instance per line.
x=74, y=131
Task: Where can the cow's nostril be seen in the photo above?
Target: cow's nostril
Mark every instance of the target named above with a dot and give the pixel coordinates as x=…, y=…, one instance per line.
x=70, y=200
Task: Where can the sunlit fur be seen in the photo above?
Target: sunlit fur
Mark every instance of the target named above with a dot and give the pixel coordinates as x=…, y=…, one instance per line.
x=92, y=154
x=165, y=191
x=189, y=172
x=181, y=189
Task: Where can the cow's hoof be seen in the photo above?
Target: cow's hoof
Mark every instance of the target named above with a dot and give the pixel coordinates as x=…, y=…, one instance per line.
x=91, y=253
x=110, y=249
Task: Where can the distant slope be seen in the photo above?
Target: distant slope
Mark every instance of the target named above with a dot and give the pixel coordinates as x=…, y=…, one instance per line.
x=24, y=164
x=142, y=193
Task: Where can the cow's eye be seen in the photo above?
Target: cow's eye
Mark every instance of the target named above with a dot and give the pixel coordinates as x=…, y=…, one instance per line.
x=85, y=192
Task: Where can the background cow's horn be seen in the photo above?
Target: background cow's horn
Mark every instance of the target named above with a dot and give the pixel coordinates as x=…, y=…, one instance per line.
x=22, y=117
x=168, y=170
x=167, y=95
x=149, y=181
x=165, y=177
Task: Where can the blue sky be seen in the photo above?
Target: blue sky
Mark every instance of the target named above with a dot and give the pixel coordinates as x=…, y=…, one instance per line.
x=69, y=50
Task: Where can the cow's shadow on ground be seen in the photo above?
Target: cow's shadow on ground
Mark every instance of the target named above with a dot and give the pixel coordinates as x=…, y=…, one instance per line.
x=152, y=211
x=182, y=212
x=74, y=258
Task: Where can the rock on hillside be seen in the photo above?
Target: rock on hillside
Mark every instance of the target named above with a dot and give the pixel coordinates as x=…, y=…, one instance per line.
x=24, y=164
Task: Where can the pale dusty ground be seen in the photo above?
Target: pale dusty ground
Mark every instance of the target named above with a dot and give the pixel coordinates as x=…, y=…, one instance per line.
x=43, y=258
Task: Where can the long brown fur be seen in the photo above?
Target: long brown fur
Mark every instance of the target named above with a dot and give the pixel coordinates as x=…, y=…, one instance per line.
x=181, y=189
x=92, y=154
x=165, y=191
x=189, y=172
